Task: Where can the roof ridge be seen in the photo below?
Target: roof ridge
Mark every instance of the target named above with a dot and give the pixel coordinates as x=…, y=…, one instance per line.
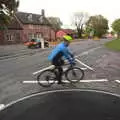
x=36, y=19
x=28, y=13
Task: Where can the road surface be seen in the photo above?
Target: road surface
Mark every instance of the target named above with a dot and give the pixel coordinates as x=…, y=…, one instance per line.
x=14, y=71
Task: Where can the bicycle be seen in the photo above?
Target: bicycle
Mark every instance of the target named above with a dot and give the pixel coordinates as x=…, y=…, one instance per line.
x=48, y=77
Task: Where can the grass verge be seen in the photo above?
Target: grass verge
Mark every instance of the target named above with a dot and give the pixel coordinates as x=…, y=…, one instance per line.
x=113, y=45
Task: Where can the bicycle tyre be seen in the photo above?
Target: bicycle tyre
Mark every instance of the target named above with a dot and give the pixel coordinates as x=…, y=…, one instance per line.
x=46, y=76
x=73, y=69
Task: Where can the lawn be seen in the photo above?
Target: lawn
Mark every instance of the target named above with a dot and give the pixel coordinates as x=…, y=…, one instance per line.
x=114, y=44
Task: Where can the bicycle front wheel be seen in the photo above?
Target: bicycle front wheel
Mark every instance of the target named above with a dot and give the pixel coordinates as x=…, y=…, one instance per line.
x=74, y=74
x=46, y=78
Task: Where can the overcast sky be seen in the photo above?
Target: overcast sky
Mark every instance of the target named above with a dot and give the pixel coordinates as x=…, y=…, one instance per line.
x=65, y=8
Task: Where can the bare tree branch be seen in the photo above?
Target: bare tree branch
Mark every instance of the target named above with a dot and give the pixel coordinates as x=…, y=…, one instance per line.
x=79, y=20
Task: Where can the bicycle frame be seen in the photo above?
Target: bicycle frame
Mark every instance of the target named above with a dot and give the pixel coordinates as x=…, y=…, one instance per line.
x=64, y=70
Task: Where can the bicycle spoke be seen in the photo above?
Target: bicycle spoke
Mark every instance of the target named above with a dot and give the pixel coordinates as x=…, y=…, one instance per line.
x=74, y=74
x=46, y=78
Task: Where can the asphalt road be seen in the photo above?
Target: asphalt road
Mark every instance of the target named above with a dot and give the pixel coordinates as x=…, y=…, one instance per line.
x=66, y=105
x=14, y=71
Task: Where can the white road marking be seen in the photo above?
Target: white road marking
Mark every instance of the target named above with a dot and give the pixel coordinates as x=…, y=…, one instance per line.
x=2, y=106
x=51, y=67
x=30, y=81
x=88, y=81
x=118, y=81
x=99, y=80
x=58, y=91
x=86, y=52
x=85, y=65
x=80, y=68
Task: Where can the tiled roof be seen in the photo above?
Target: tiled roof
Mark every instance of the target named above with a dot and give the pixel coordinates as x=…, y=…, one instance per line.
x=14, y=24
x=30, y=18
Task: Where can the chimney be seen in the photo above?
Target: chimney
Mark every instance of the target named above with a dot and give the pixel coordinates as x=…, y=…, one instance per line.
x=43, y=12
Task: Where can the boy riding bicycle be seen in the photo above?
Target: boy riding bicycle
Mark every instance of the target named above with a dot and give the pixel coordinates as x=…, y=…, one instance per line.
x=57, y=54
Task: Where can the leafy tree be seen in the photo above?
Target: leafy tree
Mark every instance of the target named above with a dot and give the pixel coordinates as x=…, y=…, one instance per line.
x=89, y=31
x=7, y=10
x=112, y=32
x=98, y=24
x=55, y=22
x=116, y=26
x=79, y=20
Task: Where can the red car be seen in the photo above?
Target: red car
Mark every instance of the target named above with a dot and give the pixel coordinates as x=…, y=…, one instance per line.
x=34, y=43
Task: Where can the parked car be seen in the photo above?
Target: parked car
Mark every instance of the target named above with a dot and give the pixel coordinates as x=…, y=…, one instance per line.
x=36, y=43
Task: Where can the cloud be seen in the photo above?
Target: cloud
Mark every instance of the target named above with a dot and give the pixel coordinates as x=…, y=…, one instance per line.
x=65, y=8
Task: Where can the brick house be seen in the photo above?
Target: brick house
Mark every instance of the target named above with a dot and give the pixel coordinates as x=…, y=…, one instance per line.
x=26, y=26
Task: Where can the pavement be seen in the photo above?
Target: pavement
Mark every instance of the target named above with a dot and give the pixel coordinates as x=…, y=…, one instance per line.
x=11, y=51
x=13, y=71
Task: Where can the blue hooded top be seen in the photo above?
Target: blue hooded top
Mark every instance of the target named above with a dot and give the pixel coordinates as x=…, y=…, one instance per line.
x=62, y=47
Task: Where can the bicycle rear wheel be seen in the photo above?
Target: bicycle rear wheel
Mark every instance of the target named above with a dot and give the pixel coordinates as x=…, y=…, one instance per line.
x=46, y=78
x=74, y=74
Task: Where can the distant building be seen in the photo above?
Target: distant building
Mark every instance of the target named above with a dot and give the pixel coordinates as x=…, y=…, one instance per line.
x=26, y=26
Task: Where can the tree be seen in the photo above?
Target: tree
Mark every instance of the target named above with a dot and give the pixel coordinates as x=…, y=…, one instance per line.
x=112, y=32
x=98, y=24
x=89, y=31
x=79, y=20
x=7, y=10
x=55, y=22
x=116, y=27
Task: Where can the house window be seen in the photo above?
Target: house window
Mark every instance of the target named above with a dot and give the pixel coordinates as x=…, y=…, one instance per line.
x=41, y=19
x=30, y=17
x=38, y=35
x=30, y=36
x=35, y=36
x=9, y=37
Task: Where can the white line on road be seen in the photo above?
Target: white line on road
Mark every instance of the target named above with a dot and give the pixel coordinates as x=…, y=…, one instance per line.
x=88, y=51
x=59, y=91
x=88, y=81
x=85, y=65
x=84, y=53
x=2, y=106
x=30, y=81
x=80, y=68
x=118, y=81
x=50, y=67
x=99, y=80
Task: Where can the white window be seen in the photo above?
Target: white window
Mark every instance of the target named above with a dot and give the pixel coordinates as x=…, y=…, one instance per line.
x=33, y=36
x=41, y=19
x=30, y=36
x=38, y=35
x=30, y=17
x=9, y=37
